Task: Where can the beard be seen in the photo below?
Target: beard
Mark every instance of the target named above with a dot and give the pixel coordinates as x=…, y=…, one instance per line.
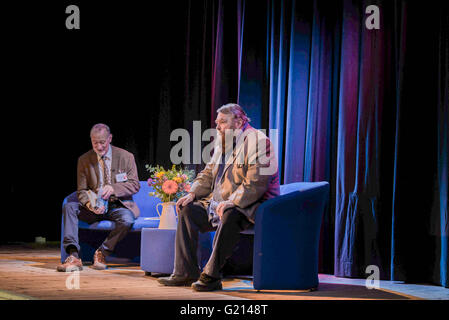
x=227, y=140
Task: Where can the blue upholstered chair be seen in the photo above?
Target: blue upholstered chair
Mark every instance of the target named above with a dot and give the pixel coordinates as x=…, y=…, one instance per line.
x=287, y=232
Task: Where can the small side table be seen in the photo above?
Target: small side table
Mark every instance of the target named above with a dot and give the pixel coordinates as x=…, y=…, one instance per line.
x=157, y=250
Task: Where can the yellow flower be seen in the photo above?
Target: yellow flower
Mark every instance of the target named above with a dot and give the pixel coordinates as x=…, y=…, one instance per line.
x=177, y=179
x=160, y=174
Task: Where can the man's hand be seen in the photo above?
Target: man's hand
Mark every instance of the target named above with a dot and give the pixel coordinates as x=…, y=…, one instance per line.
x=184, y=201
x=107, y=191
x=99, y=210
x=95, y=210
x=222, y=206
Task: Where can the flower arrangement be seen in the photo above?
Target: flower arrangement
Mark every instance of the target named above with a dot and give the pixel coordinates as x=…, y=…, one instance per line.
x=169, y=185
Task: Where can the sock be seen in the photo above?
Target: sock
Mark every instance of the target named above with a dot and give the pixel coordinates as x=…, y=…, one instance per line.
x=71, y=250
x=103, y=251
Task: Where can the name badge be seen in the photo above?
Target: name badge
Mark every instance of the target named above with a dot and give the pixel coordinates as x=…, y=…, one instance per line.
x=121, y=177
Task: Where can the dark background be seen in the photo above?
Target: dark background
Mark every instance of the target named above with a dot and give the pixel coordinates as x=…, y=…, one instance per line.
x=61, y=82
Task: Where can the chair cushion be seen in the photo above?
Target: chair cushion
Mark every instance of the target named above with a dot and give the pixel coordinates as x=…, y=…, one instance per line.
x=139, y=223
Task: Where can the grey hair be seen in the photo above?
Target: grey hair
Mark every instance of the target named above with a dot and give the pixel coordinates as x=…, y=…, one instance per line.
x=99, y=127
x=236, y=110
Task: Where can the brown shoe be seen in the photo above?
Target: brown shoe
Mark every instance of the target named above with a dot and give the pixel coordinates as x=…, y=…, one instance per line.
x=176, y=281
x=70, y=264
x=207, y=283
x=99, y=261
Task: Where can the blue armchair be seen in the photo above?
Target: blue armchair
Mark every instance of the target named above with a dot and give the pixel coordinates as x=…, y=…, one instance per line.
x=287, y=232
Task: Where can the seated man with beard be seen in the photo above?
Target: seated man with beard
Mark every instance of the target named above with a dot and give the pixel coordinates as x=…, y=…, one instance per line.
x=223, y=197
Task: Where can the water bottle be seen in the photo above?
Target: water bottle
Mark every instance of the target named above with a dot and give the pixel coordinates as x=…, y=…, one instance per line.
x=100, y=201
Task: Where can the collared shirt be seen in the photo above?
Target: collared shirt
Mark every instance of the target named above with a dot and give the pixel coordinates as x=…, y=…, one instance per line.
x=211, y=210
x=107, y=162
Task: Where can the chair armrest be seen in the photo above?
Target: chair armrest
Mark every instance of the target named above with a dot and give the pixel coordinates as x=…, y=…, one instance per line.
x=292, y=205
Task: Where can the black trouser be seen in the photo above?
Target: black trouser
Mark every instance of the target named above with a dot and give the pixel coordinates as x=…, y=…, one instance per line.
x=193, y=219
x=122, y=217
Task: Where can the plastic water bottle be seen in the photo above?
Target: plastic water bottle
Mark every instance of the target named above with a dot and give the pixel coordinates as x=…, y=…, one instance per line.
x=101, y=202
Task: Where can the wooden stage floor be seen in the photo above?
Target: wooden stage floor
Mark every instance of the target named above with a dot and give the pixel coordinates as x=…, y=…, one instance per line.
x=30, y=273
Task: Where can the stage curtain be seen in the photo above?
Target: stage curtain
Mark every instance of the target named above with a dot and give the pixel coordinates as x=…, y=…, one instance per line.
x=366, y=110
x=363, y=109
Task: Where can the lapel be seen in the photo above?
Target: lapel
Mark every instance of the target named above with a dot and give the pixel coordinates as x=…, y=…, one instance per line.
x=240, y=143
x=216, y=158
x=114, y=163
x=94, y=163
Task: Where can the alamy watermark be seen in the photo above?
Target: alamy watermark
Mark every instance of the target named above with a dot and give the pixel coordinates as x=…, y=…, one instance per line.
x=250, y=147
x=73, y=20
x=373, y=20
x=372, y=281
x=73, y=278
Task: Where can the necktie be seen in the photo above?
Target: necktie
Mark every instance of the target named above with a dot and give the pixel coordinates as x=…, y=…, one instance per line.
x=106, y=180
x=106, y=176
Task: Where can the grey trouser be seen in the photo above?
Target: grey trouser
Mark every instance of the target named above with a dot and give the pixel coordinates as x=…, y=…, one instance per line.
x=122, y=217
x=193, y=219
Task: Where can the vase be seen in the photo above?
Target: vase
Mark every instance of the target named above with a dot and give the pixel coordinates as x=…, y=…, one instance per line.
x=168, y=219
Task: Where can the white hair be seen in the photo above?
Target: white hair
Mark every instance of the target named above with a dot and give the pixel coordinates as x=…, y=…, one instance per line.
x=236, y=110
x=99, y=127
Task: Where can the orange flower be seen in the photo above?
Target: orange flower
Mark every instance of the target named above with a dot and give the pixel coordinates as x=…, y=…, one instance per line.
x=170, y=187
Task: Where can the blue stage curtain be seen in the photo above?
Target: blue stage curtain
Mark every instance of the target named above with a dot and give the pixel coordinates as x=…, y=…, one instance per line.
x=440, y=207
x=343, y=100
x=366, y=110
